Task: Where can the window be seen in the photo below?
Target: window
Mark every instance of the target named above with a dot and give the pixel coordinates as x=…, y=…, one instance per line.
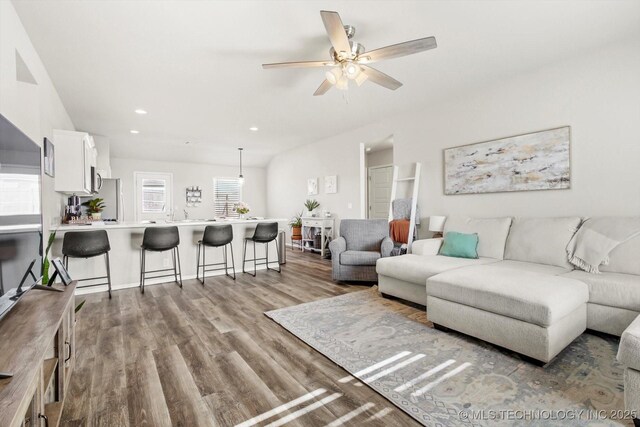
x=226, y=193
x=19, y=194
x=153, y=195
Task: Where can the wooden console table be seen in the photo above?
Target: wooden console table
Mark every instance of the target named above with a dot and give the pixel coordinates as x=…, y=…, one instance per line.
x=37, y=345
x=325, y=225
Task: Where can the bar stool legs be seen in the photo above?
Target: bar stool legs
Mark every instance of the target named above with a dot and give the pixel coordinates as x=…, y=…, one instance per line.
x=177, y=269
x=256, y=259
x=202, y=248
x=65, y=260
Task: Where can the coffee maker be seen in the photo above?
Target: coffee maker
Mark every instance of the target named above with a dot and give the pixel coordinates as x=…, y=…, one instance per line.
x=73, y=210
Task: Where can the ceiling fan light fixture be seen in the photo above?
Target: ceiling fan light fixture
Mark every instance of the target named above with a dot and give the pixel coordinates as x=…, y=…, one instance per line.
x=361, y=78
x=334, y=75
x=352, y=70
x=342, y=83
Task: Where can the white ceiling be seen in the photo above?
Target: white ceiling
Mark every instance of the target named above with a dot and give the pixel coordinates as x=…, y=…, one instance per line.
x=195, y=66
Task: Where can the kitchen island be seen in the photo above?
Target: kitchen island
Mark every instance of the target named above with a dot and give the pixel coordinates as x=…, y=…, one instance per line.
x=125, y=239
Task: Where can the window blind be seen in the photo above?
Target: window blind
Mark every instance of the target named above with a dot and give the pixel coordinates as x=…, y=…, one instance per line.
x=226, y=193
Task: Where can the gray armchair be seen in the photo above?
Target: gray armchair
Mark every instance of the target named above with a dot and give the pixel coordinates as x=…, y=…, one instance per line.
x=361, y=243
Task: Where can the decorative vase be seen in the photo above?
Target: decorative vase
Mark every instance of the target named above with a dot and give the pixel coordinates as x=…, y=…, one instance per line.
x=96, y=216
x=309, y=214
x=296, y=233
x=242, y=216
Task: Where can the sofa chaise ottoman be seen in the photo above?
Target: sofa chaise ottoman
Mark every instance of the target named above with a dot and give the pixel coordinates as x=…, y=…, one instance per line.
x=532, y=313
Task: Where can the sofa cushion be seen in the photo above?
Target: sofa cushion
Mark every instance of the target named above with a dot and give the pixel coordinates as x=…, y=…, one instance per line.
x=612, y=289
x=541, y=240
x=359, y=257
x=492, y=233
x=418, y=268
x=554, y=270
x=624, y=258
x=532, y=297
x=629, y=349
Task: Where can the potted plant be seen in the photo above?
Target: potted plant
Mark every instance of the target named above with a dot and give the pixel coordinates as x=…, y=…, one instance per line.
x=296, y=227
x=242, y=209
x=95, y=207
x=311, y=205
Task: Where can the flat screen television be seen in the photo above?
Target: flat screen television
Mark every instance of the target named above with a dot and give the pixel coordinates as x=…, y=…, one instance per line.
x=20, y=214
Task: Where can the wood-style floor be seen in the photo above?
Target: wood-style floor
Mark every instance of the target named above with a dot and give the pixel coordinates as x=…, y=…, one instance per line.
x=207, y=355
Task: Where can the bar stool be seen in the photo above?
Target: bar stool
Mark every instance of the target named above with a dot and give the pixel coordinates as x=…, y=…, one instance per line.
x=215, y=236
x=87, y=244
x=160, y=239
x=266, y=232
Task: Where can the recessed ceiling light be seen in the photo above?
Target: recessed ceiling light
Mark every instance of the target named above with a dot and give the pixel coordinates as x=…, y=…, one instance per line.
x=141, y=111
x=368, y=148
x=254, y=128
x=133, y=131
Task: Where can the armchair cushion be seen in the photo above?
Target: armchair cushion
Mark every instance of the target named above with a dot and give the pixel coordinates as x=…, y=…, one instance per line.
x=364, y=234
x=359, y=257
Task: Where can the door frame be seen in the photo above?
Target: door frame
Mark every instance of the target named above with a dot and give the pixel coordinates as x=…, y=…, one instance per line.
x=170, y=193
x=368, y=185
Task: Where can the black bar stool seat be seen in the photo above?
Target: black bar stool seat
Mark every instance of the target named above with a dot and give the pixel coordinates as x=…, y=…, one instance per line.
x=265, y=233
x=87, y=244
x=160, y=239
x=215, y=236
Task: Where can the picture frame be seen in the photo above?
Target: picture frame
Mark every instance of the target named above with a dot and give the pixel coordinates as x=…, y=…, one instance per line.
x=331, y=184
x=49, y=158
x=533, y=161
x=60, y=271
x=312, y=186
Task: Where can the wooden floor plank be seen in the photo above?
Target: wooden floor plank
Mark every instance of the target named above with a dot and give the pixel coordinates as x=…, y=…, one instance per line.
x=203, y=355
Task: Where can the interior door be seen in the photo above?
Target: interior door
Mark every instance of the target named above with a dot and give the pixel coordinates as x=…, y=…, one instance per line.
x=380, y=182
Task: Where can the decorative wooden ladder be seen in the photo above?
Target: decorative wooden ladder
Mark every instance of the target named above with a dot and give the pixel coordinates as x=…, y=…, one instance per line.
x=415, y=182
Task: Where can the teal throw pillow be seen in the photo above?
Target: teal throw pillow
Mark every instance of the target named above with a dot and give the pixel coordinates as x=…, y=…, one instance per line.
x=460, y=245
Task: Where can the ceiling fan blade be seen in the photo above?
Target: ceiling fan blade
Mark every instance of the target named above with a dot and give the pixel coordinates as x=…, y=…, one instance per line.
x=323, y=88
x=380, y=78
x=397, y=50
x=335, y=30
x=300, y=64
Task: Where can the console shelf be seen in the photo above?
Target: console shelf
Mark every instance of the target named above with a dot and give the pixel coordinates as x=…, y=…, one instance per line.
x=37, y=345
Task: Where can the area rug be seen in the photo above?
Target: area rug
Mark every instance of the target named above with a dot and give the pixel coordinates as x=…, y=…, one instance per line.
x=449, y=379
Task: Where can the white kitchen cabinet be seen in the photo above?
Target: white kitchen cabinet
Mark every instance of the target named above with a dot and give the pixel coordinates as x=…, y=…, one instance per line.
x=75, y=162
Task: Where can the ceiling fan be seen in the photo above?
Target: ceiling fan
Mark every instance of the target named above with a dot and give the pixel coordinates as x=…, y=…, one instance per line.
x=349, y=59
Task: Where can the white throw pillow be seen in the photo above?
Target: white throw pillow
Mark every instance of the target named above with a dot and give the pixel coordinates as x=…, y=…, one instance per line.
x=492, y=233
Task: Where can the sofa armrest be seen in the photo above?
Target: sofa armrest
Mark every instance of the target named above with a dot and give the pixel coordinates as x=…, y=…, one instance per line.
x=386, y=247
x=426, y=246
x=337, y=246
x=629, y=348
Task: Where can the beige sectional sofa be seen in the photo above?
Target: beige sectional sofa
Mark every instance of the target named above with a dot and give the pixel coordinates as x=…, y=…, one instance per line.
x=521, y=293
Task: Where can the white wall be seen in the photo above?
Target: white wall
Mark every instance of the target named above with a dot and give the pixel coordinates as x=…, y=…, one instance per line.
x=380, y=157
x=189, y=174
x=34, y=109
x=597, y=95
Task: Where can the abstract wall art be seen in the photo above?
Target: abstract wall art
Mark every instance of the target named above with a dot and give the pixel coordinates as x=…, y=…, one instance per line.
x=533, y=161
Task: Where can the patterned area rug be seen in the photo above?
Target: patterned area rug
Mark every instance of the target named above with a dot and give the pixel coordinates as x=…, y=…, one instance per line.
x=448, y=379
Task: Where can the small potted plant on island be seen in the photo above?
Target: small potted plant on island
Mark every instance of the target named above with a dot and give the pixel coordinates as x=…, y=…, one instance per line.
x=311, y=205
x=242, y=209
x=95, y=208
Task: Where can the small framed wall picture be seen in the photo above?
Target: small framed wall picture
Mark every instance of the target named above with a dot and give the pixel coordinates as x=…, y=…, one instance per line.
x=61, y=271
x=49, y=158
x=312, y=186
x=331, y=184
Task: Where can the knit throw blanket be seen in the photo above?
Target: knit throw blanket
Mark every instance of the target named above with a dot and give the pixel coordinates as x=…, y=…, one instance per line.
x=591, y=245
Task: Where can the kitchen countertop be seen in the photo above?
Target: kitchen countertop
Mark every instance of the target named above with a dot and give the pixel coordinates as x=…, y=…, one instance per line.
x=162, y=223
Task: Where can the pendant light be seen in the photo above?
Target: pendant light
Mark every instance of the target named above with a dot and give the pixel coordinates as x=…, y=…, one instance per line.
x=240, y=177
